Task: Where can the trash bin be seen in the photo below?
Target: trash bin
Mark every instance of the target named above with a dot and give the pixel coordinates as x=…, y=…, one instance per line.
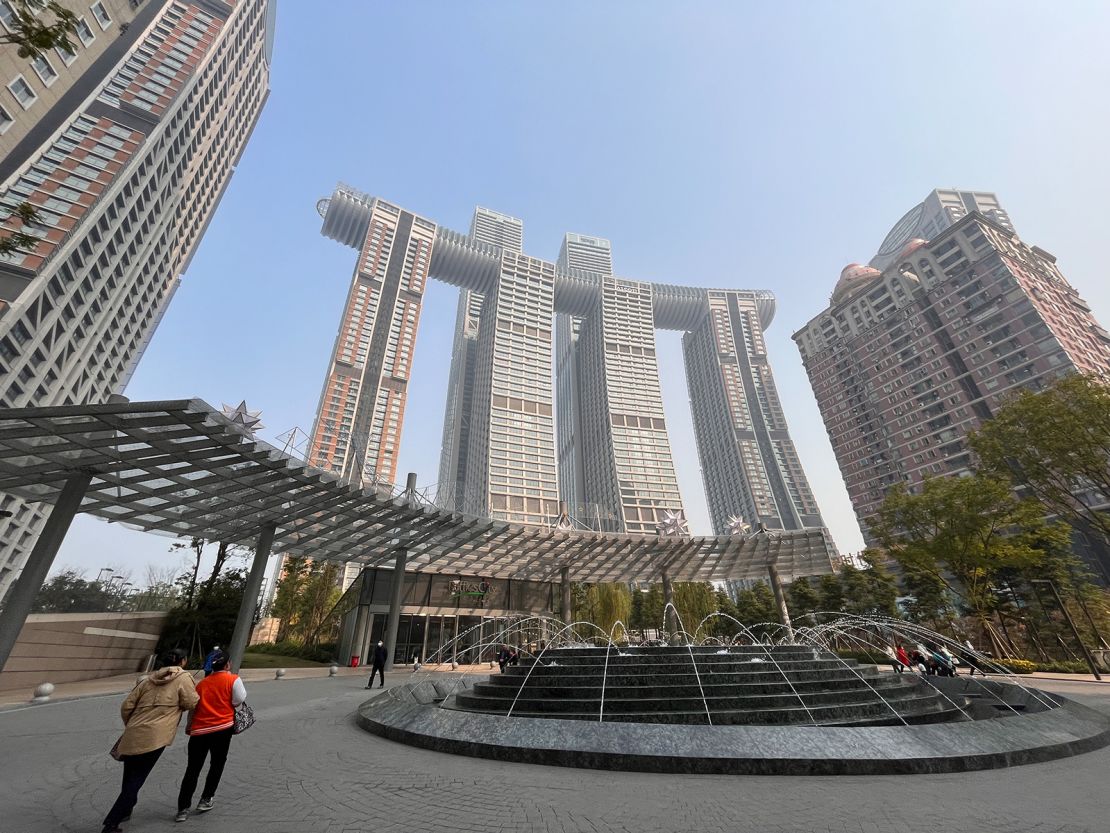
x=354, y=660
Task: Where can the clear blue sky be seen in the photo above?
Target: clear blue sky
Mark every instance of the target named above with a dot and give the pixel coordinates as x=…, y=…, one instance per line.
x=728, y=144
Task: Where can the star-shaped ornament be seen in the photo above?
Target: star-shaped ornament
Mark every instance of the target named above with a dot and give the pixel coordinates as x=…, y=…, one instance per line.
x=673, y=523
x=738, y=526
x=250, y=421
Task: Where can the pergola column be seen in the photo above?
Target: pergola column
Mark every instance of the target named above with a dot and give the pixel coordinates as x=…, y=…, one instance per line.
x=669, y=617
x=245, y=620
x=780, y=600
x=565, y=572
x=395, y=605
x=39, y=562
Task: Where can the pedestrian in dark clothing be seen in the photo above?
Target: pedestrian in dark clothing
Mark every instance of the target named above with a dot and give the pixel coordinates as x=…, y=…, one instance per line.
x=208, y=659
x=503, y=657
x=378, y=665
x=514, y=656
x=210, y=729
x=150, y=714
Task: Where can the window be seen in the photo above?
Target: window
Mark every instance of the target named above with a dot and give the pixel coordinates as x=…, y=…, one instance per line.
x=22, y=92
x=65, y=55
x=43, y=69
x=101, y=15
x=7, y=16
x=84, y=31
x=6, y=120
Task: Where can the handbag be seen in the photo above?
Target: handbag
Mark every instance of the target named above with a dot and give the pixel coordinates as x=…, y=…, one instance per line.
x=244, y=719
x=114, y=751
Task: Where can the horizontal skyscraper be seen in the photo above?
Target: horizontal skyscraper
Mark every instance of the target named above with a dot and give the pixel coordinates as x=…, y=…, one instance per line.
x=615, y=467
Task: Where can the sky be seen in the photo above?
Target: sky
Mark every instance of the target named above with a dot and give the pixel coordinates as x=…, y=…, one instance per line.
x=720, y=144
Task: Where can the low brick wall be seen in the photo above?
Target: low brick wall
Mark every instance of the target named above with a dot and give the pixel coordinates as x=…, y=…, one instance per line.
x=69, y=647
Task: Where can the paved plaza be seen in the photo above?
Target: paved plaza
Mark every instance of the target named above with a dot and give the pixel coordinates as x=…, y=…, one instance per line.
x=306, y=767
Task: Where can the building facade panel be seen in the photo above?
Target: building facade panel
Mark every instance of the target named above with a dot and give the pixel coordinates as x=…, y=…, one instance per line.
x=357, y=432
x=123, y=194
x=904, y=363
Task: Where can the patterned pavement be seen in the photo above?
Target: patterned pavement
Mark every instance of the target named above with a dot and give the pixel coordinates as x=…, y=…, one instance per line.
x=306, y=767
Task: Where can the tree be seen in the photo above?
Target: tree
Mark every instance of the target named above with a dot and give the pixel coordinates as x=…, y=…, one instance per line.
x=928, y=601
x=35, y=27
x=70, y=592
x=832, y=593
x=636, y=618
x=305, y=600
x=693, y=601
x=1056, y=445
x=610, y=602
x=188, y=580
x=966, y=528
x=802, y=598
x=195, y=628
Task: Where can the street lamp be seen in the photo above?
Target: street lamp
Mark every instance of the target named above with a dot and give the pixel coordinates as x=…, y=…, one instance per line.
x=103, y=570
x=1071, y=624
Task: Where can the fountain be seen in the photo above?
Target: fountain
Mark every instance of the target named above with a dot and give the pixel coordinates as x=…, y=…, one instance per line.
x=770, y=699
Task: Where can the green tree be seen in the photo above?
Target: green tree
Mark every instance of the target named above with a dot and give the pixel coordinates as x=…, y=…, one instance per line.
x=802, y=598
x=611, y=602
x=723, y=626
x=693, y=601
x=636, y=619
x=195, y=628
x=964, y=528
x=832, y=593
x=70, y=592
x=928, y=601
x=1056, y=445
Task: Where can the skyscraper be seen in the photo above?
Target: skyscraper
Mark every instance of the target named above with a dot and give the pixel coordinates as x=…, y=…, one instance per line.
x=357, y=432
x=495, y=229
x=614, y=457
x=125, y=154
x=905, y=361
x=939, y=210
x=749, y=464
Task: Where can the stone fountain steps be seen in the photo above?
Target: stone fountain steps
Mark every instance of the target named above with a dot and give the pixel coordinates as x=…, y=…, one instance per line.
x=717, y=698
x=639, y=699
x=686, y=686
x=751, y=686
x=922, y=709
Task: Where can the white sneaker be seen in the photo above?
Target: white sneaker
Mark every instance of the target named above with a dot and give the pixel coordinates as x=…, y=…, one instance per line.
x=204, y=805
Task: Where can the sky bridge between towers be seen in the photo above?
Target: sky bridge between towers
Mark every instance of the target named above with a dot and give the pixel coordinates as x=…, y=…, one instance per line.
x=460, y=260
x=183, y=468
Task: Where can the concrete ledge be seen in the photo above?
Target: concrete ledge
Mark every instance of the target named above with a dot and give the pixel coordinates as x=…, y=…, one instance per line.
x=1068, y=729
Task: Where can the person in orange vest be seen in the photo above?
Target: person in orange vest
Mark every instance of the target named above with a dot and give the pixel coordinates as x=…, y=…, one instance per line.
x=210, y=728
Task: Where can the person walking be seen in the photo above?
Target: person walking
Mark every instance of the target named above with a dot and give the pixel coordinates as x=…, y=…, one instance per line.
x=151, y=714
x=210, y=729
x=378, y=665
x=208, y=659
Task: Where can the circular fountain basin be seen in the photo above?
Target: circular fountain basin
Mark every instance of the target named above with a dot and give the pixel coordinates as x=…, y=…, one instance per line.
x=787, y=710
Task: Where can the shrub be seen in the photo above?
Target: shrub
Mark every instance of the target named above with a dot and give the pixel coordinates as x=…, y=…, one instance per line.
x=317, y=653
x=1064, y=667
x=1017, y=666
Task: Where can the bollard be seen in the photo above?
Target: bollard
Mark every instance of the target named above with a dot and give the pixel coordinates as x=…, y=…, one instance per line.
x=333, y=670
x=454, y=666
x=279, y=673
x=43, y=692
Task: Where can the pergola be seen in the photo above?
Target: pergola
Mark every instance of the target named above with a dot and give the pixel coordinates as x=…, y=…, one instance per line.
x=182, y=468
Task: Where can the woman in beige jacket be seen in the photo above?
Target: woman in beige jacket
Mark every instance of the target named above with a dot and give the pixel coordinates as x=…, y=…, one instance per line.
x=150, y=714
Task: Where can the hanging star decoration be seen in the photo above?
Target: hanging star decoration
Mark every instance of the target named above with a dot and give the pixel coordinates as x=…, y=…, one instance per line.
x=738, y=526
x=673, y=523
x=242, y=417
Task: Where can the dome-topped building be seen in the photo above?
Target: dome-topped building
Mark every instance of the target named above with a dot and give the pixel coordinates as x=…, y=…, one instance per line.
x=854, y=276
x=911, y=247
